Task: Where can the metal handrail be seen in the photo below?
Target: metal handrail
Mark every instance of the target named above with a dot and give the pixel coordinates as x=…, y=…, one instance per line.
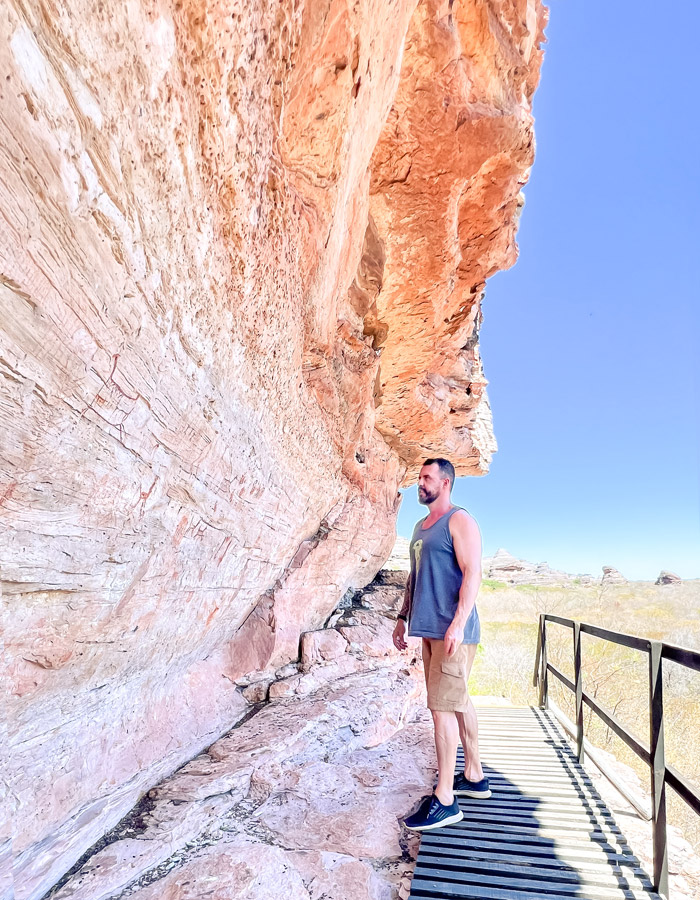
x=653, y=754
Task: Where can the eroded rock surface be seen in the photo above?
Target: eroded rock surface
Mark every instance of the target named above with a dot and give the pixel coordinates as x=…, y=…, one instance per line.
x=304, y=798
x=243, y=252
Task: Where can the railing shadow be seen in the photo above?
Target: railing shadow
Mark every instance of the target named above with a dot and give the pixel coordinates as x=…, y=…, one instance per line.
x=662, y=774
x=545, y=831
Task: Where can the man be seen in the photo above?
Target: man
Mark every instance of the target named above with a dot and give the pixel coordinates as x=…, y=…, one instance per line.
x=440, y=607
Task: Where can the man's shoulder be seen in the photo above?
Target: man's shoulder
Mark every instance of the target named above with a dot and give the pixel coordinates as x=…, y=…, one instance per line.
x=461, y=518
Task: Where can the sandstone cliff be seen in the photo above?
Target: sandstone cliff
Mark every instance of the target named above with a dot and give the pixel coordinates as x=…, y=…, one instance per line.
x=242, y=255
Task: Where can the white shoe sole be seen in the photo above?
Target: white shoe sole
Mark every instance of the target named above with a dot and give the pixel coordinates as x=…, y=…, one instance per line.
x=476, y=795
x=457, y=817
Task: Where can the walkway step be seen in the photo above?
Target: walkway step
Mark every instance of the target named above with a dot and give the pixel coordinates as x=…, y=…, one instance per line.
x=544, y=834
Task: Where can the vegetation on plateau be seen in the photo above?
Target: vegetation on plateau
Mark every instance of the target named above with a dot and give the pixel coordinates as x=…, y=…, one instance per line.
x=616, y=676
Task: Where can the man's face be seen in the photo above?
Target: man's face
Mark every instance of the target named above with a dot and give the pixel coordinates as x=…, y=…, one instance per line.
x=430, y=484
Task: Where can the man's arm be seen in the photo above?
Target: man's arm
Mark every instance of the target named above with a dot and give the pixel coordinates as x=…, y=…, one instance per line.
x=399, y=635
x=407, y=597
x=466, y=540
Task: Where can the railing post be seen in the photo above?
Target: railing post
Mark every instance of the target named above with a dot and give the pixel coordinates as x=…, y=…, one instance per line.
x=544, y=679
x=578, y=681
x=658, y=767
x=538, y=652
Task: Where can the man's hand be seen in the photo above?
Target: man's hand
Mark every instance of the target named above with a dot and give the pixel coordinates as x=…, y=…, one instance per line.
x=453, y=638
x=399, y=636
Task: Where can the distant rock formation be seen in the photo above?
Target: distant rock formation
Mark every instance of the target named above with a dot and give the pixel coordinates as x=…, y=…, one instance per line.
x=503, y=566
x=612, y=576
x=585, y=579
x=668, y=578
x=400, y=555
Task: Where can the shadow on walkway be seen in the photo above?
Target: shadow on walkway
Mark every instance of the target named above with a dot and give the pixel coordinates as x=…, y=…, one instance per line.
x=544, y=833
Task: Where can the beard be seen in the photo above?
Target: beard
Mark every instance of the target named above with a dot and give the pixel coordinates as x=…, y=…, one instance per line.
x=425, y=497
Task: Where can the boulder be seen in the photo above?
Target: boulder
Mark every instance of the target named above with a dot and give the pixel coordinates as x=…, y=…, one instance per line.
x=321, y=645
x=373, y=639
x=257, y=691
x=505, y=567
x=612, y=576
x=668, y=578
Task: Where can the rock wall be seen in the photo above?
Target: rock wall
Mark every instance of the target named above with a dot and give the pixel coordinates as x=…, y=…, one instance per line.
x=242, y=253
x=279, y=805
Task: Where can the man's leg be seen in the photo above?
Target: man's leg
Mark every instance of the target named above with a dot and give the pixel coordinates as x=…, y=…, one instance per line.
x=441, y=808
x=426, y=661
x=446, y=739
x=445, y=728
x=469, y=730
x=469, y=736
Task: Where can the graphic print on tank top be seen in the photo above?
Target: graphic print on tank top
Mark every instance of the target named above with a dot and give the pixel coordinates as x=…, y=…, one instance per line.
x=437, y=582
x=417, y=549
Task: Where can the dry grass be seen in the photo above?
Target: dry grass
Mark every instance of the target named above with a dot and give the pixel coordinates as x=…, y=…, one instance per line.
x=617, y=676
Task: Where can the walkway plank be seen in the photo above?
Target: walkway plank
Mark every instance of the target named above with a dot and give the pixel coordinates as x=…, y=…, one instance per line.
x=545, y=833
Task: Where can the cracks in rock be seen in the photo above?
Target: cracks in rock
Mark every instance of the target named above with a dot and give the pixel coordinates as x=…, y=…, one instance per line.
x=135, y=825
x=246, y=717
x=352, y=600
x=401, y=179
x=406, y=855
x=187, y=852
x=132, y=825
x=16, y=289
x=305, y=548
x=145, y=824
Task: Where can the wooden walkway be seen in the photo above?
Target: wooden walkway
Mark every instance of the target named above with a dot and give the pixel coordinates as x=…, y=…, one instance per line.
x=545, y=833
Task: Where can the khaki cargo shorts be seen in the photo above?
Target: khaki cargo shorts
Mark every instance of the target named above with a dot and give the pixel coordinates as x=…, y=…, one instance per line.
x=446, y=679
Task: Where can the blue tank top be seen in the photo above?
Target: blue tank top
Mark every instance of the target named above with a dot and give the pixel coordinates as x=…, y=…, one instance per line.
x=437, y=580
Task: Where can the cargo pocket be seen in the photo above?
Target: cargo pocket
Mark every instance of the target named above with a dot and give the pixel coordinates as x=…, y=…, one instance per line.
x=453, y=687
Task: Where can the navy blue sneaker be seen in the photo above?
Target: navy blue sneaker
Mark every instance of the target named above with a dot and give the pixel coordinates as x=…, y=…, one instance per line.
x=432, y=814
x=463, y=787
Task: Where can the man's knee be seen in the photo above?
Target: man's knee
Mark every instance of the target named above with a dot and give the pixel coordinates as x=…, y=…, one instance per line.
x=463, y=714
x=443, y=718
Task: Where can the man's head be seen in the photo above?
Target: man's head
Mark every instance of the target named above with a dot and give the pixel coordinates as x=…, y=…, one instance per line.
x=436, y=477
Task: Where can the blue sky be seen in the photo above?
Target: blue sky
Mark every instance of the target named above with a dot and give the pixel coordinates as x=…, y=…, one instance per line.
x=590, y=343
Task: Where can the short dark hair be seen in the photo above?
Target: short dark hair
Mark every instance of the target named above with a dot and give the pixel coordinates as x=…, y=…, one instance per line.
x=447, y=470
